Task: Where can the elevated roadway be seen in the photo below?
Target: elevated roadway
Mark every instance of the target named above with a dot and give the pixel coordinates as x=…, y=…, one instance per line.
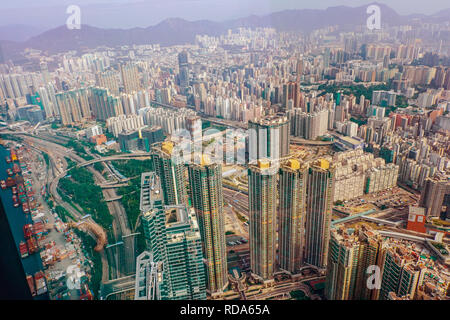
x=124, y=256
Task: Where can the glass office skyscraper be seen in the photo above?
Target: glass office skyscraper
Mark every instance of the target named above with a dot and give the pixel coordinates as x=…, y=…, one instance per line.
x=173, y=237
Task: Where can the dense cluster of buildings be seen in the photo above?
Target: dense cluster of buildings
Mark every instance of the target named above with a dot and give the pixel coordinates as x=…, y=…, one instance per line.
x=365, y=265
x=379, y=101
x=358, y=172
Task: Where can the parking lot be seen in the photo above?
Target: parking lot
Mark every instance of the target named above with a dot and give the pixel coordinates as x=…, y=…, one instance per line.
x=233, y=240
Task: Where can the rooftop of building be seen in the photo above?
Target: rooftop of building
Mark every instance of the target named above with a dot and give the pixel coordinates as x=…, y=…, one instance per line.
x=150, y=191
x=322, y=164
x=182, y=224
x=350, y=140
x=271, y=120
x=151, y=128
x=293, y=165
x=262, y=165
x=164, y=148
x=414, y=256
x=175, y=215
x=350, y=234
x=440, y=177
x=128, y=132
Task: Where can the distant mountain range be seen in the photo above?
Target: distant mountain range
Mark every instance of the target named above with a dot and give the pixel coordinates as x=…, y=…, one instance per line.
x=19, y=32
x=179, y=31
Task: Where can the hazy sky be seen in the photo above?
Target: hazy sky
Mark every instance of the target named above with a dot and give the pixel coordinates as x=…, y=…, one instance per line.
x=142, y=13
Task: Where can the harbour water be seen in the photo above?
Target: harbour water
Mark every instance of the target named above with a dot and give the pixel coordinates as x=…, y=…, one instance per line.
x=17, y=219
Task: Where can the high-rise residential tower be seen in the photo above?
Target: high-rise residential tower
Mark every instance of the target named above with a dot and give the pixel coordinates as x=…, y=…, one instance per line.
x=351, y=252
x=108, y=79
x=205, y=182
x=299, y=71
x=45, y=73
x=130, y=78
x=342, y=266
x=292, y=203
x=172, y=174
x=319, y=204
x=401, y=272
x=73, y=106
x=104, y=105
x=262, y=195
x=433, y=195
x=291, y=95
x=269, y=138
x=183, y=65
